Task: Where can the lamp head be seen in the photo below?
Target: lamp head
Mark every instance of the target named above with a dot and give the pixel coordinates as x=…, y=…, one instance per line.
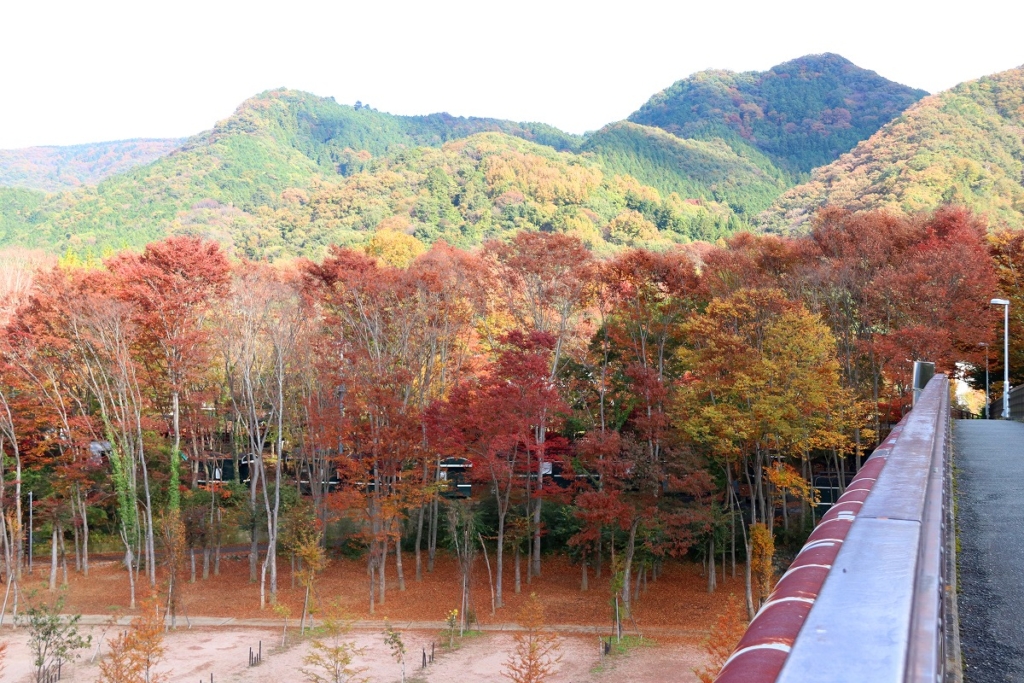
x=1000, y=302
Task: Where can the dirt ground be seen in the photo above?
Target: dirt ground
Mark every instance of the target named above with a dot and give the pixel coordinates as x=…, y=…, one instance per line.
x=675, y=612
x=193, y=655
x=678, y=600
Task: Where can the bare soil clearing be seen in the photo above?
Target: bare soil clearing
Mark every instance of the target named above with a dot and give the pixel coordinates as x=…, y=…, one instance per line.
x=676, y=611
x=192, y=655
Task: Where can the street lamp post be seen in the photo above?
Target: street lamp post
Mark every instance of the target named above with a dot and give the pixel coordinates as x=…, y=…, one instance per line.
x=1005, y=303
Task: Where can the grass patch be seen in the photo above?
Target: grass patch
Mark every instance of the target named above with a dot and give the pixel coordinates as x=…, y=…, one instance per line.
x=456, y=642
x=621, y=647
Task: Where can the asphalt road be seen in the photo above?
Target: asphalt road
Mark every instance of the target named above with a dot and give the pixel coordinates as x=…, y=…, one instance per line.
x=989, y=462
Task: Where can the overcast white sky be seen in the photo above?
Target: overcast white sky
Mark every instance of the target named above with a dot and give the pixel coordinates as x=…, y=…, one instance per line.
x=92, y=70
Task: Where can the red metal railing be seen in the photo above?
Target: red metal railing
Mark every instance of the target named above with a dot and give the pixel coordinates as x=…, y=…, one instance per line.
x=875, y=596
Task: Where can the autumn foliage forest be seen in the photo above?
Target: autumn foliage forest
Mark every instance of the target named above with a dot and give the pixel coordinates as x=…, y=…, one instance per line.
x=644, y=408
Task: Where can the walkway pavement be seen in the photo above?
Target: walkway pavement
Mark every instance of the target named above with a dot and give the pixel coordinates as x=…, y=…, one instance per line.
x=989, y=479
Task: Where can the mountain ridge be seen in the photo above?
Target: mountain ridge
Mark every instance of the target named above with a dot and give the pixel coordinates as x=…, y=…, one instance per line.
x=801, y=113
x=288, y=172
x=964, y=145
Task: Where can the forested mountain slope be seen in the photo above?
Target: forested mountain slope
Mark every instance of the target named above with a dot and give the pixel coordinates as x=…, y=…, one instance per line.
x=710, y=169
x=801, y=114
x=289, y=173
x=60, y=168
x=963, y=146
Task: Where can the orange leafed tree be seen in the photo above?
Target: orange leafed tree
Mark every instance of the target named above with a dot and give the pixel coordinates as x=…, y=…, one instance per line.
x=725, y=635
x=535, y=656
x=135, y=652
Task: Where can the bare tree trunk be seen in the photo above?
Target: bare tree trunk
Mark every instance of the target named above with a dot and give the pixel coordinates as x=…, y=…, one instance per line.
x=129, y=560
x=432, y=549
x=747, y=585
x=78, y=541
x=150, y=543
x=398, y=559
x=419, y=541
x=712, y=576
x=373, y=584
x=53, y=559
x=519, y=584
x=382, y=562
x=253, y=554
x=536, y=537
x=732, y=516
x=63, y=556
x=628, y=565
x=490, y=579
x=85, y=534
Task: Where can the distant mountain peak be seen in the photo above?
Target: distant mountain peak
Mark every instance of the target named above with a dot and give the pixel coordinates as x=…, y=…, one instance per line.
x=961, y=146
x=802, y=113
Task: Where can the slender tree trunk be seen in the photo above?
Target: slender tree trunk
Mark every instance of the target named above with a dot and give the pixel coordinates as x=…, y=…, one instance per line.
x=747, y=584
x=519, y=583
x=255, y=460
x=216, y=556
x=398, y=559
x=53, y=559
x=432, y=550
x=63, y=556
x=373, y=584
x=279, y=464
x=712, y=576
x=78, y=541
x=628, y=564
x=85, y=534
x=150, y=543
x=499, y=560
x=419, y=541
x=490, y=579
x=129, y=560
x=382, y=563
x=584, y=583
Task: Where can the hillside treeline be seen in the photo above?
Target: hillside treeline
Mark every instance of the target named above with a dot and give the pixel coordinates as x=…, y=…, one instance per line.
x=624, y=411
x=288, y=173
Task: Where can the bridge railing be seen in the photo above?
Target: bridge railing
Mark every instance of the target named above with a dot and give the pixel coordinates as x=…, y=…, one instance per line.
x=870, y=596
x=1016, y=405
